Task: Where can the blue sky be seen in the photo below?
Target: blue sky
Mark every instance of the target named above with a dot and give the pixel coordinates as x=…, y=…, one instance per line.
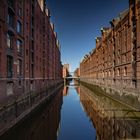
x=78, y=22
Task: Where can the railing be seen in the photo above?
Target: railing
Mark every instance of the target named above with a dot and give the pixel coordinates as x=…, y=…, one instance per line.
x=11, y=113
x=73, y=77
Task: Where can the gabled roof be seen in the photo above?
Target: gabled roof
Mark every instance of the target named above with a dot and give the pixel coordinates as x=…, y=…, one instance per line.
x=116, y=20
x=124, y=13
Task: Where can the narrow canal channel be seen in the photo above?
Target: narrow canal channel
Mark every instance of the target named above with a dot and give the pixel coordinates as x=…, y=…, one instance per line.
x=75, y=124
x=77, y=113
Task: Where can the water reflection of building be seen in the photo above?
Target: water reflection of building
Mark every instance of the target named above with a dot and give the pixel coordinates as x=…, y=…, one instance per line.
x=42, y=125
x=65, y=91
x=112, y=120
x=77, y=89
x=77, y=72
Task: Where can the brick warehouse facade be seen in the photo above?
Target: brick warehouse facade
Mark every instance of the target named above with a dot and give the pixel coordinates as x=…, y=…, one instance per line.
x=29, y=48
x=65, y=70
x=77, y=72
x=115, y=62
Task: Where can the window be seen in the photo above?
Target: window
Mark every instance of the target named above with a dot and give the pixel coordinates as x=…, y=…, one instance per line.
x=32, y=56
x=27, y=38
x=103, y=74
x=26, y=83
x=32, y=22
x=21, y=1
x=19, y=46
x=10, y=88
x=32, y=33
x=19, y=27
x=106, y=74
x=32, y=70
x=10, y=19
x=125, y=71
x=118, y=71
x=125, y=40
x=32, y=45
x=0, y=64
x=26, y=25
x=119, y=52
x=118, y=60
x=26, y=66
x=109, y=73
x=11, y=3
x=9, y=41
x=26, y=52
x=19, y=67
x=125, y=60
x=20, y=12
x=1, y=36
x=9, y=66
x=27, y=11
x=19, y=82
x=113, y=73
x=109, y=58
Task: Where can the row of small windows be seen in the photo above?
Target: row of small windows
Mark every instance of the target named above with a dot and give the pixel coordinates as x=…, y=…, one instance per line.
x=10, y=21
x=124, y=71
x=118, y=72
x=10, y=43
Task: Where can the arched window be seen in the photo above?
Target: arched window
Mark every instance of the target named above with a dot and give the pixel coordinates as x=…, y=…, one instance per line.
x=109, y=73
x=125, y=71
x=9, y=40
x=118, y=72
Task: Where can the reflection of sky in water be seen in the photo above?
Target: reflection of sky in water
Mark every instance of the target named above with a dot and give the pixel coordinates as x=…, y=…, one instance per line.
x=74, y=123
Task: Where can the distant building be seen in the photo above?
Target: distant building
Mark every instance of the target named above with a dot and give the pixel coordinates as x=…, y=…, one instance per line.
x=29, y=49
x=115, y=62
x=77, y=72
x=65, y=70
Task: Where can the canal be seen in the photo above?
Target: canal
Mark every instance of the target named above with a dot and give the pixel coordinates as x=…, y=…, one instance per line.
x=75, y=124
x=77, y=113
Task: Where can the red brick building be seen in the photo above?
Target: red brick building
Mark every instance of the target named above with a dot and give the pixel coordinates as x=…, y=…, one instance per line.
x=29, y=48
x=77, y=72
x=65, y=70
x=115, y=62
